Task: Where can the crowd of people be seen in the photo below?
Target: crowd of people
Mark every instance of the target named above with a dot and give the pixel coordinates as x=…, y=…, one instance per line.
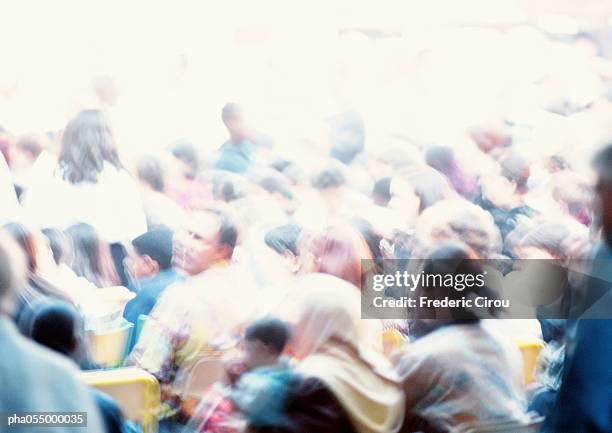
x=260, y=257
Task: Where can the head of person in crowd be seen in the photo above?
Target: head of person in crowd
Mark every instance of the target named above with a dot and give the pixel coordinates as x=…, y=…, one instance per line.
x=335, y=346
x=429, y=185
x=458, y=261
x=559, y=240
x=574, y=194
x=491, y=138
x=264, y=342
x=336, y=250
x=233, y=118
x=92, y=258
x=603, y=190
x=347, y=136
x=151, y=173
x=187, y=156
x=59, y=244
x=87, y=147
x=515, y=168
x=39, y=264
x=58, y=326
x=151, y=253
x=228, y=187
x=328, y=179
x=27, y=149
x=208, y=239
x=284, y=241
x=461, y=221
x=13, y=269
x=381, y=193
x=27, y=242
x=279, y=189
x=442, y=158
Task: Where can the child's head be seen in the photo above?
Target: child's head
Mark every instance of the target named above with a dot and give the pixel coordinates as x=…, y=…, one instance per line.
x=264, y=341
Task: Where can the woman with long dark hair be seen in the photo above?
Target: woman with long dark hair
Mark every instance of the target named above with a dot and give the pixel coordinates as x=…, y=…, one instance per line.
x=88, y=184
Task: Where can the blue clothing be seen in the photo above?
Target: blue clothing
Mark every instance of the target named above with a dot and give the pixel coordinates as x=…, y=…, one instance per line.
x=35, y=379
x=261, y=394
x=235, y=157
x=584, y=401
x=148, y=292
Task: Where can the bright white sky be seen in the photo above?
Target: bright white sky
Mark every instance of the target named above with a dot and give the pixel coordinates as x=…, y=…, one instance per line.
x=283, y=59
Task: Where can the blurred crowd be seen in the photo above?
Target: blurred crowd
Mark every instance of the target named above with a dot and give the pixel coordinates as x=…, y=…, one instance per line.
x=257, y=253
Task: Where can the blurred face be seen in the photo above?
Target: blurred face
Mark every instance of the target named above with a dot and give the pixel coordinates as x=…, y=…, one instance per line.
x=257, y=354
x=139, y=266
x=197, y=247
x=237, y=128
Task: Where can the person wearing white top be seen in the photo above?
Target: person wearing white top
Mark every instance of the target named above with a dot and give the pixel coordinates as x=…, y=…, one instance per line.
x=87, y=184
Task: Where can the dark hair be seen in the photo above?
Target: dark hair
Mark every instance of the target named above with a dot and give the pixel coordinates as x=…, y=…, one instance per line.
x=272, y=332
x=382, y=191
x=24, y=239
x=186, y=151
x=602, y=162
x=227, y=187
x=92, y=257
x=275, y=185
x=370, y=236
x=87, y=143
x=228, y=231
x=156, y=244
x=150, y=172
x=58, y=242
x=231, y=111
x=54, y=325
x=454, y=258
x=328, y=178
x=283, y=238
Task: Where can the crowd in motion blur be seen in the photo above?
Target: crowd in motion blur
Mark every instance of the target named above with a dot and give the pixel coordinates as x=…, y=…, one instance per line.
x=256, y=258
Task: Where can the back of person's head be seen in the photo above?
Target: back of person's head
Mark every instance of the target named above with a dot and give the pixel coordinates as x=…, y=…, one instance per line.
x=87, y=144
x=228, y=187
x=283, y=239
x=25, y=239
x=55, y=325
x=515, y=168
x=157, y=244
x=150, y=172
x=557, y=239
x=92, y=259
x=328, y=178
x=381, y=192
x=275, y=185
x=271, y=332
x=231, y=112
x=186, y=152
x=339, y=250
x=459, y=261
x=59, y=244
x=459, y=220
x=441, y=158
